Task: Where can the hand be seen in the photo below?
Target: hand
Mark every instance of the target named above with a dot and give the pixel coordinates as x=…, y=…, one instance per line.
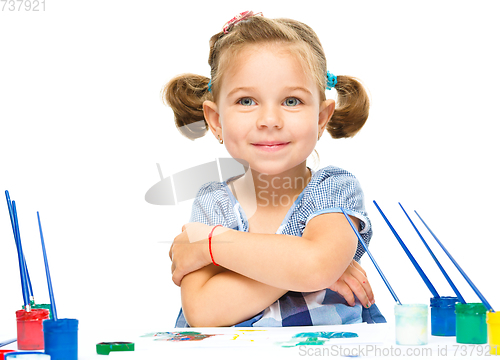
x=189, y=251
x=354, y=282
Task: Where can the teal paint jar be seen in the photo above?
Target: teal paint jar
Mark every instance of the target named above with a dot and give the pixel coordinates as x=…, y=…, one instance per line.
x=471, y=323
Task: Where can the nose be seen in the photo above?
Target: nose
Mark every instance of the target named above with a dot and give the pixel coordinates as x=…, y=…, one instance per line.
x=270, y=117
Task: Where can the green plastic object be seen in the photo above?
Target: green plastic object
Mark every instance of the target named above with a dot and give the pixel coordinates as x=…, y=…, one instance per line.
x=105, y=348
x=41, y=306
x=471, y=323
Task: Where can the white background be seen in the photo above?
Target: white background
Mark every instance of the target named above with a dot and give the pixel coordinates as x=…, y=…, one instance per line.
x=83, y=126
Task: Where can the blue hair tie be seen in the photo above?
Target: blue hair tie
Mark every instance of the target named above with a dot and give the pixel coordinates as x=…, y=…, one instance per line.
x=331, y=80
x=210, y=85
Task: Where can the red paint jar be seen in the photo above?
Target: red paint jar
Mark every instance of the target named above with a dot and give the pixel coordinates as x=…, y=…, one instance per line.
x=30, y=329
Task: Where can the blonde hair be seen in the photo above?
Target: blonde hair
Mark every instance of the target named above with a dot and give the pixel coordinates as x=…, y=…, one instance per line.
x=186, y=93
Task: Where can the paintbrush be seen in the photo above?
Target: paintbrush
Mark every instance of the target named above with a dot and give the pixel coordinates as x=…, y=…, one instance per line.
x=476, y=290
x=47, y=272
x=20, y=257
x=410, y=256
x=371, y=257
x=459, y=296
x=17, y=239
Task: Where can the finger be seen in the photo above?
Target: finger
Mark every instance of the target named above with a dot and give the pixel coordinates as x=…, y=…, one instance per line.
x=363, y=280
x=184, y=227
x=175, y=280
x=358, y=272
x=359, y=289
x=368, y=290
x=177, y=276
x=343, y=289
x=355, y=264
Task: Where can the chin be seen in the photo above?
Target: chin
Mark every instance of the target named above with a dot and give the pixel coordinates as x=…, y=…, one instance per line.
x=271, y=170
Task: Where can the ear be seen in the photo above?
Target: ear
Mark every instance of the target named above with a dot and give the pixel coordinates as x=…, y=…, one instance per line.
x=326, y=111
x=211, y=113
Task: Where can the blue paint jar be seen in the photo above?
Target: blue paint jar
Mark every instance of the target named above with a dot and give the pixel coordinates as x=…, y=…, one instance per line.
x=443, y=318
x=61, y=339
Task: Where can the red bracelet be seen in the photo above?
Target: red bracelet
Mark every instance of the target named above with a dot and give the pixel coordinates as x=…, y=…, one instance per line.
x=210, y=244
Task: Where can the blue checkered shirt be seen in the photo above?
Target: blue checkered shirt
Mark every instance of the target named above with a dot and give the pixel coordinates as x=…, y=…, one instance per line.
x=329, y=190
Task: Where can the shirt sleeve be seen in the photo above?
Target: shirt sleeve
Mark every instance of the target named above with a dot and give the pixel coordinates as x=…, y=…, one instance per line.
x=338, y=189
x=212, y=206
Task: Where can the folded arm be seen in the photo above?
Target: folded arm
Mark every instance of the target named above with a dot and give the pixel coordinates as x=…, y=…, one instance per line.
x=305, y=264
x=257, y=269
x=214, y=296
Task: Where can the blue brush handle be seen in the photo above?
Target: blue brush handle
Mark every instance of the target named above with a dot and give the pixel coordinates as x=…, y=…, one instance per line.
x=47, y=272
x=20, y=256
x=476, y=290
x=371, y=257
x=435, y=259
x=7, y=342
x=14, y=224
x=410, y=256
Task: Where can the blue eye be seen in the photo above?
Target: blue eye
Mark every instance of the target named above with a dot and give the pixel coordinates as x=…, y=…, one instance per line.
x=292, y=101
x=246, y=102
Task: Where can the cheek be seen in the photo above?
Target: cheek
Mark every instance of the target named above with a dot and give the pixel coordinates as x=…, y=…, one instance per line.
x=234, y=138
x=306, y=126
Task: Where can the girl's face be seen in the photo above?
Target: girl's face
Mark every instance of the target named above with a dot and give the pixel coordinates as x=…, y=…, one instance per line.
x=269, y=111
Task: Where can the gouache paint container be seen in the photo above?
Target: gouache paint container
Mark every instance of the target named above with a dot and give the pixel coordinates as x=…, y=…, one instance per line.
x=2, y=352
x=411, y=324
x=443, y=318
x=29, y=355
x=493, y=324
x=29, y=328
x=43, y=306
x=61, y=339
x=471, y=323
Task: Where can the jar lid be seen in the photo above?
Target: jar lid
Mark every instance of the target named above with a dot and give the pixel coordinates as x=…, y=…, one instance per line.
x=411, y=310
x=444, y=302
x=470, y=309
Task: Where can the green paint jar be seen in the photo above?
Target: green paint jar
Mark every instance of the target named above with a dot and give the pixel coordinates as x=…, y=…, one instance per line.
x=471, y=323
x=41, y=306
x=44, y=306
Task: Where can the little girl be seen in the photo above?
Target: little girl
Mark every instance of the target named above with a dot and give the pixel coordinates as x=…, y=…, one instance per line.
x=271, y=247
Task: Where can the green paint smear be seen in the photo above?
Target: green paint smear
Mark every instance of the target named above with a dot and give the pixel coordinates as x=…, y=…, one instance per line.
x=315, y=338
x=327, y=335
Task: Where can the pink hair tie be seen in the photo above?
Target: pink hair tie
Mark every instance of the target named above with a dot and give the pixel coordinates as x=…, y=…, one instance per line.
x=241, y=16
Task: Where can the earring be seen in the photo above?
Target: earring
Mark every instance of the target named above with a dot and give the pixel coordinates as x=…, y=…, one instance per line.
x=221, y=141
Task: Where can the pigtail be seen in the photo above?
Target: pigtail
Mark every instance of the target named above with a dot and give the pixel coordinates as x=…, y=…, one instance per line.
x=351, y=110
x=185, y=95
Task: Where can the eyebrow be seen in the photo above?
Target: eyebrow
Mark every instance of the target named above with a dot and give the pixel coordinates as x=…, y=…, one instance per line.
x=240, y=89
x=289, y=88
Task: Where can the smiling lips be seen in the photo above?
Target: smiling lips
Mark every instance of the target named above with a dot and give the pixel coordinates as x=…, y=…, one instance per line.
x=270, y=146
